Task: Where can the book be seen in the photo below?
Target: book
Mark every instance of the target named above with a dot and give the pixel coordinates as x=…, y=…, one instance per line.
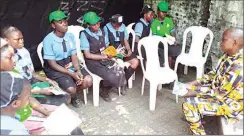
x=180, y=88
x=62, y=121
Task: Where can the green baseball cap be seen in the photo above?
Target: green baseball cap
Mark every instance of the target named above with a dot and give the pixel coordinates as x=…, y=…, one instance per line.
x=57, y=15
x=91, y=18
x=163, y=6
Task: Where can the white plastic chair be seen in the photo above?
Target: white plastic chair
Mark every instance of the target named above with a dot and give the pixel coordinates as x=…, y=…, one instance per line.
x=131, y=31
x=155, y=74
x=194, y=57
x=39, y=53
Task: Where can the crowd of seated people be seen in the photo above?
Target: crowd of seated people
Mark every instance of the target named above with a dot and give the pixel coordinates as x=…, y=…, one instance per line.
x=223, y=96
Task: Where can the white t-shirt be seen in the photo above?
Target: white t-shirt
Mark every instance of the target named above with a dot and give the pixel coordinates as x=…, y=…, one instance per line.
x=11, y=126
x=24, y=63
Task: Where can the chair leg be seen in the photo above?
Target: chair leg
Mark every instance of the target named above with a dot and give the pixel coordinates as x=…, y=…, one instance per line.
x=130, y=82
x=143, y=84
x=185, y=70
x=96, y=84
x=159, y=87
x=119, y=90
x=134, y=76
x=200, y=71
x=85, y=95
x=153, y=95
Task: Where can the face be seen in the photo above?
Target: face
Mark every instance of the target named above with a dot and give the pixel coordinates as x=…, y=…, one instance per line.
x=23, y=99
x=7, y=59
x=116, y=26
x=162, y=14
x=15, y=39
x=61, y=25
x=227, y=43
x=95, y=28
x=149, y=16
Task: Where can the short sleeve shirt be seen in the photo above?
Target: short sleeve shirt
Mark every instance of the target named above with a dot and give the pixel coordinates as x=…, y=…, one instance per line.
x=85, y=45
x=162, y=27
x=122, y=28
x=24, y=63
x=53, y=48
x=139, y=27
x=11, y=126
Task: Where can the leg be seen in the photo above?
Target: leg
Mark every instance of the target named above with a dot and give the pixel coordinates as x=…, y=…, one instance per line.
x=194, y=110
x=67, y=83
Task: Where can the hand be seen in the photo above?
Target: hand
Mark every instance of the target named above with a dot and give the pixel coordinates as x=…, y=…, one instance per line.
x=77, y=75
x=190, y=94
x=129, y=53
x=52, y=82
x=193, y=83
x=176, y=42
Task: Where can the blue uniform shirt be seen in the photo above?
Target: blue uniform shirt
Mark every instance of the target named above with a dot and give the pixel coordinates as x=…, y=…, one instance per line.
x=53, y=47
x=122, y=28
x=11, y=126
x=85, y=45
x=139, y=27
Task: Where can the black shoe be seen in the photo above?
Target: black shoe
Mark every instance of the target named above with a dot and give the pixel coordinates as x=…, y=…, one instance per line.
x=105, y=95
x=76, y=103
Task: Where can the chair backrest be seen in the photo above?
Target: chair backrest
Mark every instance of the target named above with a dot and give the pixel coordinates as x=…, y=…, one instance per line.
x=130, y=25
x=39, y=52
x=150, y=44
x=130, y=30
x=75, y=30
x=199, y=34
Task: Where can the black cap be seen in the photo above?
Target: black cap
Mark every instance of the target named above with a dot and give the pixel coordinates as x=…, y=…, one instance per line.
x=116, y=19
x=146, y=9
x=12, y=85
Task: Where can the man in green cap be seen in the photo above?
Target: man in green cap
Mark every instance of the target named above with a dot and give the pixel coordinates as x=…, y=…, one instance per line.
x=93, y=42
x=162, y=26
x=60, y=60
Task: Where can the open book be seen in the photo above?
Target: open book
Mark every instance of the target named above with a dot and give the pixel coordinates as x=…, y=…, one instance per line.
x=62, y=121
x=180, y=88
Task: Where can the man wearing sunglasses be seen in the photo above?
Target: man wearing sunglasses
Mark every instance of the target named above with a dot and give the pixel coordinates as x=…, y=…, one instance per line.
x=163, y=25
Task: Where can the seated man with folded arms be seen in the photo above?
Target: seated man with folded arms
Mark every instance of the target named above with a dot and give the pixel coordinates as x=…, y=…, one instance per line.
x=61, y=63
x=220, y=92
x=15, y=93
x=92, y=44
x=116, y=34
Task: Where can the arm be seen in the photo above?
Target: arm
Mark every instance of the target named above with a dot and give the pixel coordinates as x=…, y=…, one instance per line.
x=92, y=56
x=127, y=45
x=138, y=31
x=53, y=64
x=85, y=46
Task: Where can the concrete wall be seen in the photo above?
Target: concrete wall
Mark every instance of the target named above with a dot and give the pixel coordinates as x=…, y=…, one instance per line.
x=217, y=15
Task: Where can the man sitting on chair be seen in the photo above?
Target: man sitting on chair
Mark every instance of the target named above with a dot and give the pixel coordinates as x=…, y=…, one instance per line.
x=219, y=92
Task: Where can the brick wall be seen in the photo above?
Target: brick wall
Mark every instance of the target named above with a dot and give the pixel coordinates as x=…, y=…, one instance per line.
x=217, y=15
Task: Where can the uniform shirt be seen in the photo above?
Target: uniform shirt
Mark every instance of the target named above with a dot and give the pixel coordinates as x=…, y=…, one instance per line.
x=53, y=46
x=226, y=85
x=11, y=126
x=122, y=28
x=139, y=27
x=24, y=63
x=85, y=45
x=162, y=27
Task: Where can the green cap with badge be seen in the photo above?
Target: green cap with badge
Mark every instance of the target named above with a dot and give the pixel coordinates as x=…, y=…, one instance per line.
x=57, y=15
x=163, y=6
x=91, y=18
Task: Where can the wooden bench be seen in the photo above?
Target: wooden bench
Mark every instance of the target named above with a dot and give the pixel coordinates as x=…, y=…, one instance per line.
x=230, y=129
